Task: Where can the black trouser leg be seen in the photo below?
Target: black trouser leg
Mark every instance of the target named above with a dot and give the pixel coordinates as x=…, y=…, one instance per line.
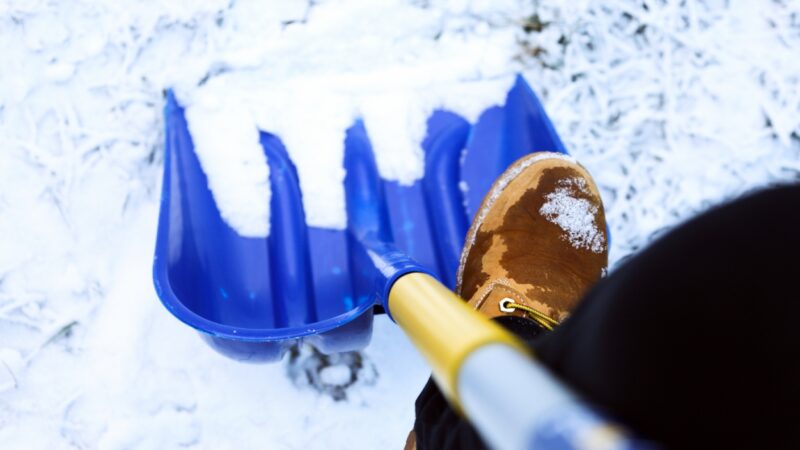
x=437, y=426
x=695, y=341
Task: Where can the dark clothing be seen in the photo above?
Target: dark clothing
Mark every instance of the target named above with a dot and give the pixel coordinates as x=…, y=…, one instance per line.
x=693, y=343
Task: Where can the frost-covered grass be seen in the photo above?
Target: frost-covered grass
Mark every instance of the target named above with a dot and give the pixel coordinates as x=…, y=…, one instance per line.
x=673, y=105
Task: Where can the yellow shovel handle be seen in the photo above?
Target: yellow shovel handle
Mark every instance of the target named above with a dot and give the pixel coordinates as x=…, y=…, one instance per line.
x=443, y=327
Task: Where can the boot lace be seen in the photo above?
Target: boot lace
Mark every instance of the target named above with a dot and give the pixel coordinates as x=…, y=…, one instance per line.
x=508, y=305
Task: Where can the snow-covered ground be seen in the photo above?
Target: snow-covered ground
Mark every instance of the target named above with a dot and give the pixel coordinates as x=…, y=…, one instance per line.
x=673, y=105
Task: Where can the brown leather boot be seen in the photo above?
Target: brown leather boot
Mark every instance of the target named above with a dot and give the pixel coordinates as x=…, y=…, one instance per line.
x=537, y=243
x=411, y=441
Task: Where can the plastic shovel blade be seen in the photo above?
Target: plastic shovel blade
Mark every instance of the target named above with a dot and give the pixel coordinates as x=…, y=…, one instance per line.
x=253, y=298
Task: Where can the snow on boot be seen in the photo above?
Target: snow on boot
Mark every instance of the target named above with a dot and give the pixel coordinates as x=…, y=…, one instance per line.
x=537, y=243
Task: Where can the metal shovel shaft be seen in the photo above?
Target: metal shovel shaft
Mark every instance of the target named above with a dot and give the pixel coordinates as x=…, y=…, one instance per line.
x=490, y=377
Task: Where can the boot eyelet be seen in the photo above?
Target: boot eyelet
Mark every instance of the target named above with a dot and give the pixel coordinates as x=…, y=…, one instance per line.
x=504, y=305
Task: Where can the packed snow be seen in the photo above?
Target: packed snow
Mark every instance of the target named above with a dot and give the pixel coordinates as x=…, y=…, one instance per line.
x=226, y=141
x=673, y=105
x=391, y=71
x=337, y=375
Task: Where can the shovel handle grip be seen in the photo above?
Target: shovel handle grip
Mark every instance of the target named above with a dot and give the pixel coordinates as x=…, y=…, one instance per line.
x=443, y=328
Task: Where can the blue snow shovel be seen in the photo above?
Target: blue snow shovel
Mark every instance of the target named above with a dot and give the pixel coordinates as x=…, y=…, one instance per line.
x=253, y=298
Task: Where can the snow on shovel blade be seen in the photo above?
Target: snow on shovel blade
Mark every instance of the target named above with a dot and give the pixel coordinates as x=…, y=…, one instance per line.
x=253, y=298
